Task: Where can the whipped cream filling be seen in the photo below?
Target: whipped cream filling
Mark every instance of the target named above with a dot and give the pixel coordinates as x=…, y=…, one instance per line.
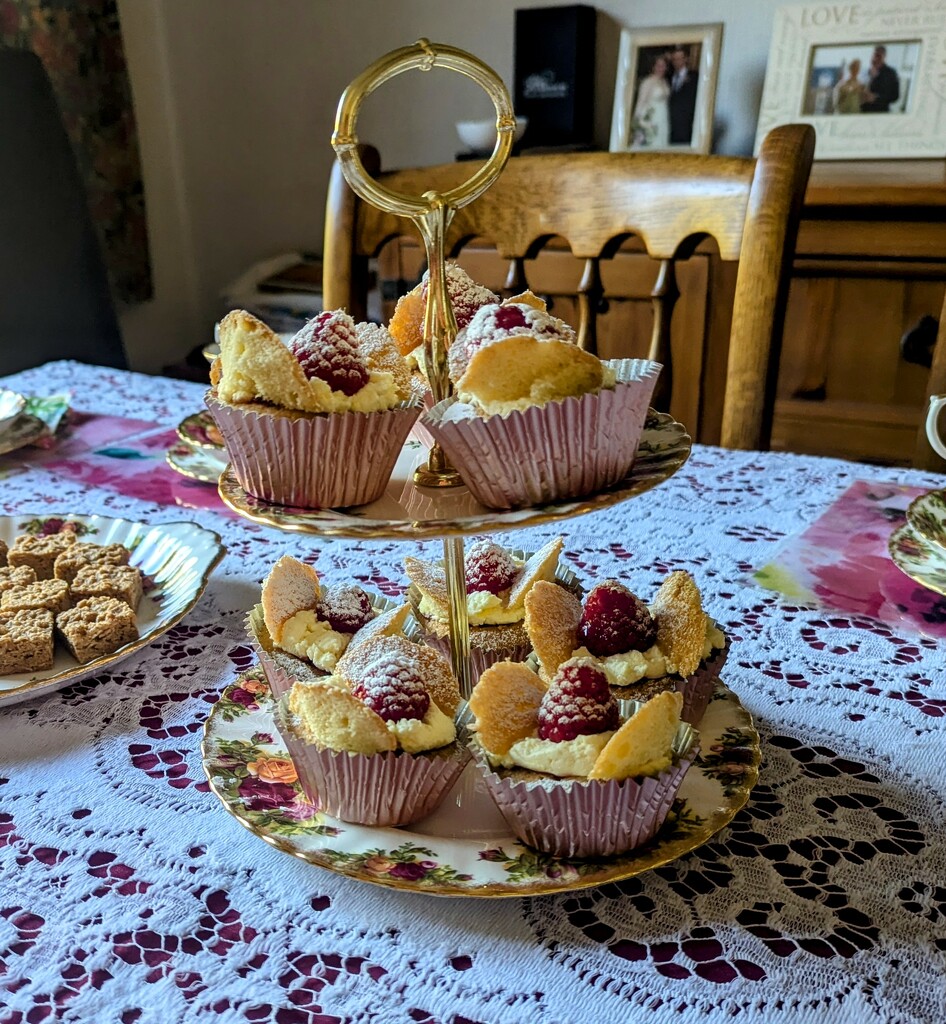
x=569, y=758
x=482, y=607
x=416, y=735
x=632, y=666
x=380, y=393
x=309, y=637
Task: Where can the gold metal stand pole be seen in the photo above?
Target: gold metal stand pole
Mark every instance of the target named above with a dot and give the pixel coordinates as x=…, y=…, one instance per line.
x=433, y=211
x=459, y=619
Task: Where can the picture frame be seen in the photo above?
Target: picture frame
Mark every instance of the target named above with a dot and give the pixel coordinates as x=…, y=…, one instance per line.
x=869, y=77
x=665, y=90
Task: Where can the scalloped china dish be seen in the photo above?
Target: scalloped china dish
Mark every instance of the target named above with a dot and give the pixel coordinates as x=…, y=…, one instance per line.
x=203, y=464
x=920, y=559
x=178, y=559
x=927, y=516
x=465, y=847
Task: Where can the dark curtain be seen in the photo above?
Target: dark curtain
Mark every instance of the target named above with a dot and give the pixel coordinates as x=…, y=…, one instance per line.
x=80, y=45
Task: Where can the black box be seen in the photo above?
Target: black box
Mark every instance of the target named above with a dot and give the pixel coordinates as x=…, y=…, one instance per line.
x=555, y=74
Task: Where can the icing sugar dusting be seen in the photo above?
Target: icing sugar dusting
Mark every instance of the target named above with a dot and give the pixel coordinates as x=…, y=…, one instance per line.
x=496, y=322
x=466, y=295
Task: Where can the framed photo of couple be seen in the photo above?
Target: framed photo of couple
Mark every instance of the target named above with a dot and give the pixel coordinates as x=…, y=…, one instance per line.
x=870, y=77
x=666, y=89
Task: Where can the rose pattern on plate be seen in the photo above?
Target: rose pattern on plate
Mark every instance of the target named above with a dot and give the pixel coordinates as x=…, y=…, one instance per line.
x=268, y=787
x=407, y=862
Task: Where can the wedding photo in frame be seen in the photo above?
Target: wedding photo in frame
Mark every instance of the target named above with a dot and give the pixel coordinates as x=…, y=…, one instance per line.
x=665, y=90
x=870, y=78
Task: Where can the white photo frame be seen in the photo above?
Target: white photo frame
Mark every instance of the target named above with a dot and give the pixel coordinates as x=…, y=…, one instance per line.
x=869, y=77
x=671, y=108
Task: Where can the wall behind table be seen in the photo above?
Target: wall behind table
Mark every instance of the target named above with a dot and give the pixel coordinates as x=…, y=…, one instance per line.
x=236, y=100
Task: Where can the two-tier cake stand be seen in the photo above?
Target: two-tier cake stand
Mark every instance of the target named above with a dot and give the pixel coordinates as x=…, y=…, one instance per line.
x=464, y=848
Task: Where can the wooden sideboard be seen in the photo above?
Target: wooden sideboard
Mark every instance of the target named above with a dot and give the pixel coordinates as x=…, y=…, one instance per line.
x=870, y=263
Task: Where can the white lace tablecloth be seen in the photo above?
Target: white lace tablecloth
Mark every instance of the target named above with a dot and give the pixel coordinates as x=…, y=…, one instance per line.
x=128, y=894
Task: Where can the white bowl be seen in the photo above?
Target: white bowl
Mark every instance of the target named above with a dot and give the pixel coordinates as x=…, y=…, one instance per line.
x=482, y=134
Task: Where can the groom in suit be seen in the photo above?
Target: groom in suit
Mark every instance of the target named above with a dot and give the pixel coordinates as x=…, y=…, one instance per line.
x=682, y=102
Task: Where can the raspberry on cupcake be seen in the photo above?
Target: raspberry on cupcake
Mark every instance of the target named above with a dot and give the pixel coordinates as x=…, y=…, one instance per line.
x=571, y=775
x=497, y=583
x=292, y=415
x=301, y=630
x=378, y=746
x=535, y=418
x=672, y=643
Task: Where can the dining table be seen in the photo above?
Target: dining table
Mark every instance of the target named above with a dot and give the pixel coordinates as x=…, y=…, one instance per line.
x=130, y=893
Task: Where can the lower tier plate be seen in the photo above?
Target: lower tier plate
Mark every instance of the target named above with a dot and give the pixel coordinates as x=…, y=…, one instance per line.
x=465, y=847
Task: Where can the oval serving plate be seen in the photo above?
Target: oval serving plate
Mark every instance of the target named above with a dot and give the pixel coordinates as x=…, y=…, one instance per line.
x=465, y=847
x=411, y=512
x=177, y=558
x=920, y=559
x=927, y=516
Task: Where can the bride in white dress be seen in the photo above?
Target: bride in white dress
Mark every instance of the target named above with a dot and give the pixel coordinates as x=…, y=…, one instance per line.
x=650, y=128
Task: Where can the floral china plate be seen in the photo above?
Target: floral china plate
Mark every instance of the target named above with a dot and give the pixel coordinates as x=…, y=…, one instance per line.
x=411, y=512
x=920, y=559
x=199, y=431
x=465, y=847
x=927, y=516
x=176, y=560
x=201, y=464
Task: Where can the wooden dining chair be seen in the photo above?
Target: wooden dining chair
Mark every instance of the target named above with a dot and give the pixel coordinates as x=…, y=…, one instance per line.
x=672, y=202
x=924, y=457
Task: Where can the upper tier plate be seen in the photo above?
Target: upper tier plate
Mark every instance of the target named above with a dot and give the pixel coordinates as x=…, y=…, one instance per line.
x=408, y=511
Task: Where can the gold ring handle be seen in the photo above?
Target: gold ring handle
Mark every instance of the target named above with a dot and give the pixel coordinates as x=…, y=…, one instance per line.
x=422, y=56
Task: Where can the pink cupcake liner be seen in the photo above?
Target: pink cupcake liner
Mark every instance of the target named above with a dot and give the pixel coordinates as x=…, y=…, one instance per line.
x=312, y=460
x=698, y=688
x=419, y=432
x=391, y=788
x=562, y=449
x=587, y=818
